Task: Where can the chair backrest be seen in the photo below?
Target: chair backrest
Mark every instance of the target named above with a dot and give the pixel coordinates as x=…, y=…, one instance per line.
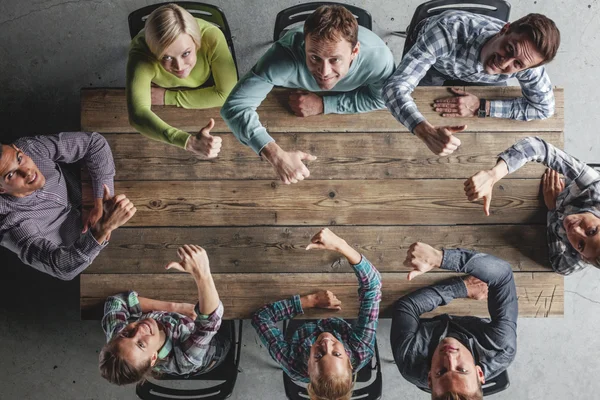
x=226, y=372
x=370, y=374
x=494, y=8
x=299, y=13
x=492, y=386
x=208, y=12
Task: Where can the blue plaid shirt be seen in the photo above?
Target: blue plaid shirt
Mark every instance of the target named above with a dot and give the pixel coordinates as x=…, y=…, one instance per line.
x=359, y=341
x=190, y=345
x=451, y=44
x=581, y=194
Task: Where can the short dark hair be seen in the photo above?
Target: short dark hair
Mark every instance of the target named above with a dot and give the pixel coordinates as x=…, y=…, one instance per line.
x=117, y=370
x=478, y=395
x=542, y=31
x=332, y=23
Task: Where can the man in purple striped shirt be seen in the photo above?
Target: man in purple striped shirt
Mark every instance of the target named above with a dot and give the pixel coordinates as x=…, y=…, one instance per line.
x=40, y=201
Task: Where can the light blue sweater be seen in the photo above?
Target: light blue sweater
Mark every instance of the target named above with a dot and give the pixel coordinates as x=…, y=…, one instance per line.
x=284, y=64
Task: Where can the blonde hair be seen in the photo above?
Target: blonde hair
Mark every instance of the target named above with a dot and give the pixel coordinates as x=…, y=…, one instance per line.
x=165, y=24
x=336, y=387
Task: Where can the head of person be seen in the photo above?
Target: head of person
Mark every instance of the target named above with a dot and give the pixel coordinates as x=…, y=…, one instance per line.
x=454, y=374
x=173, y=36
x=130, y=355
x=19, y=176
x=329, y=369
x=331, y=44
x=583, y=232
x=528, y=42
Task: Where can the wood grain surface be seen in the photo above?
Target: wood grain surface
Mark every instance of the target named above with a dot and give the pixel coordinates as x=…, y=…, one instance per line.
x=282, y=249
x=377, y=155
x=105, y=110
x=335, y=202
x=540, y=294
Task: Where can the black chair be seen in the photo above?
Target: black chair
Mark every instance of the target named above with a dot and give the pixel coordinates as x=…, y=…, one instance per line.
x=227, y=372
x=492, y=386
x=299, y=13
x=370, y=374
x=494, y=8
x=207, y=12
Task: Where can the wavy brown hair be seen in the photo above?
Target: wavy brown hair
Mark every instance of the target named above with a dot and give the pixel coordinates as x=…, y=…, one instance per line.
x=118, y=370
x=332, y=23
x=542, y=31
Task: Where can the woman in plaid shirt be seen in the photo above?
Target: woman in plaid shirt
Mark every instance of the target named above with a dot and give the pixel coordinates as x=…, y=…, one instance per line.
x=573, y=209
x=173, y=338
x=327, y=352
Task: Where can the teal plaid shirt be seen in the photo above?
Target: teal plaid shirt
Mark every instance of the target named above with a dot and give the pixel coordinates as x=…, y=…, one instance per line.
x=190, y=346
x=358, y=340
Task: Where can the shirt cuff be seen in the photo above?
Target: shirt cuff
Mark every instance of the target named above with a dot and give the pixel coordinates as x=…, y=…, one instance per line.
x=500, y=108
x=330, y=104
x=258, y=142
x=415, y=120
x=297, y=305
x=450, y=259
x=209, y=319
x=458, y=288
x=91, y=247
x=171, y=98
x=180, y=139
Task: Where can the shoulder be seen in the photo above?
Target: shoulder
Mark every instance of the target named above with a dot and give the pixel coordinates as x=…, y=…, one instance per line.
x=283, y=58
x=372, y=46
x=465, y=24
x=210, y=34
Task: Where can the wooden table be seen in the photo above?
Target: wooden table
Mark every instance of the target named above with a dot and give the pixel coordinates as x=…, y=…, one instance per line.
x=373, y=183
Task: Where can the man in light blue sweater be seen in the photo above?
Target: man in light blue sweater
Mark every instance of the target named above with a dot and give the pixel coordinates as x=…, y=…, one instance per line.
x=345, y=64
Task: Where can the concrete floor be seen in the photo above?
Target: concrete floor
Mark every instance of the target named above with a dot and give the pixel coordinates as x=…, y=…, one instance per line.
x=51, y=49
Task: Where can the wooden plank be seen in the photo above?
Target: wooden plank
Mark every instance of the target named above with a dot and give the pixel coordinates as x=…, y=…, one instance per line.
x=313, y=202
x=105, y=110
x=282, y=249
x=340, y=156
x=540, y=294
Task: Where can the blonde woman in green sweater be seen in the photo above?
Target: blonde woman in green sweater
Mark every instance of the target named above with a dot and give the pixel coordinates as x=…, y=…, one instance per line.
x=169, y=59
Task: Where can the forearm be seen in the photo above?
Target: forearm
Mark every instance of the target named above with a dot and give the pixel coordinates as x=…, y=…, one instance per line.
x=100, y=164
x=536, y=149
x=145, y=121
x=239, y=111
x=62, y=262
x=206, y=97
x=208, y=297
x=519, y=109
x=363, y=99
x=148, y=305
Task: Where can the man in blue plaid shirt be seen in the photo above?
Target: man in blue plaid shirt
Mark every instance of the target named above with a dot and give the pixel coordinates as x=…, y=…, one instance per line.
x=327, y=352
x=474, y=48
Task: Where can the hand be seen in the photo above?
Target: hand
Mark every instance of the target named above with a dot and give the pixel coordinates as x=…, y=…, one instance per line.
x=288, y=164
x=326, y=240
x=193, y=260
x=204, y=144
x=157, y=95
x=440, y=140
x=552, y=185
x=186, y=309
x=94, y=215
x=422, y=258
x=305, y=104
x=464, y=105
x=480, y=186
x=117, y=211
x=476, y=289
x=321, y=299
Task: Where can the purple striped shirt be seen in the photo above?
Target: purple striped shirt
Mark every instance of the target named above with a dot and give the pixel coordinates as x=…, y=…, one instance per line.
x=44, y=228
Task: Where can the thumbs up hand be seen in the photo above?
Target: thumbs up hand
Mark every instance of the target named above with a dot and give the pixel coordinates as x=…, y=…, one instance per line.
x=440, y=140
x=204, y=144
x=422, y=258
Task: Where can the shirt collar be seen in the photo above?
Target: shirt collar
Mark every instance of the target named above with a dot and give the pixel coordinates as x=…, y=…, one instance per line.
x=477, y=46
x=166, y=349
